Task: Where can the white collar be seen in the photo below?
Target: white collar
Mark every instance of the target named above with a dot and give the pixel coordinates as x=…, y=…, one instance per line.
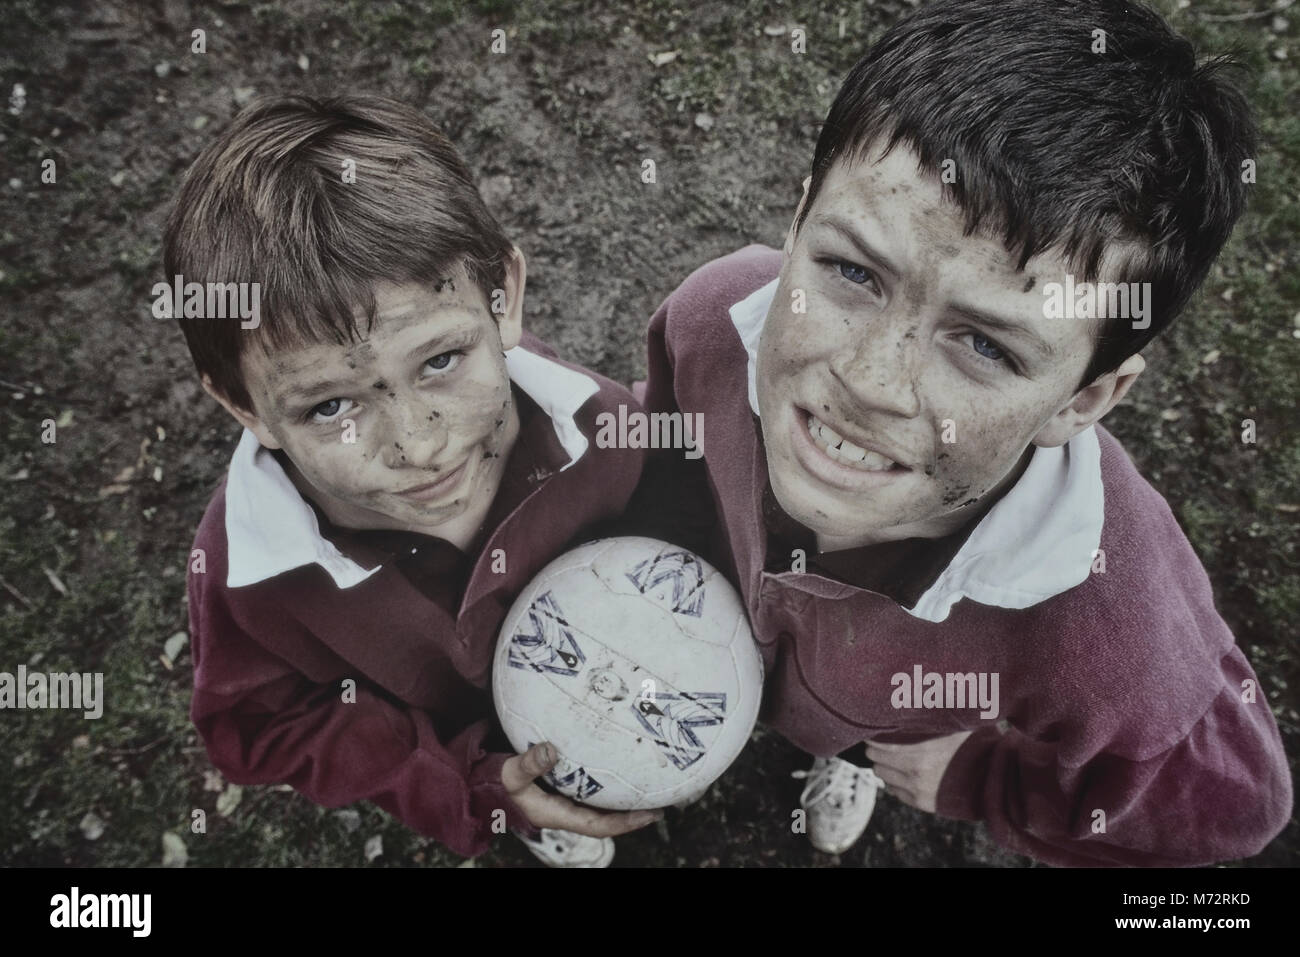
x=1038, y=541
x=270, y=528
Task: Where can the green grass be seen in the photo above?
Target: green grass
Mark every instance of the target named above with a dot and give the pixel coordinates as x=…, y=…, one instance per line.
x=140, y=769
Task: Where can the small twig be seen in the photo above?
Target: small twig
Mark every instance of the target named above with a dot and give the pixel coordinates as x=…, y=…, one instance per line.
x=140, y=750
x=17, y=594
x=1252, y=15
x=111, y=445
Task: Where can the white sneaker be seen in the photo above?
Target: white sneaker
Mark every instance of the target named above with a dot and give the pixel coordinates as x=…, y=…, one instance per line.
x=556, y=848
x=839, y=798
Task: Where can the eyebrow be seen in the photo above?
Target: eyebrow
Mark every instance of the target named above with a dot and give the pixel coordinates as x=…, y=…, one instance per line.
x=329, y=387
x=459, y=330
x=301, y=393
x=1018, y=329
x=847, y=232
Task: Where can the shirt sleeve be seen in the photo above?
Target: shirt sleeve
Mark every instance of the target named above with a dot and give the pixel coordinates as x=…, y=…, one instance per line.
x=1221, y=793
x=263, y=722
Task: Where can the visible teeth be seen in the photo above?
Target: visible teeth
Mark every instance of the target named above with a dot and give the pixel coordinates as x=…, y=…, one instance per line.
x=842, y=450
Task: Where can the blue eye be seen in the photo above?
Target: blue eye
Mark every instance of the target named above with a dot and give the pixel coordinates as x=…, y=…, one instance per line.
x=993, y=352
x=852, y=272
x=327, y=411
x=445, y=361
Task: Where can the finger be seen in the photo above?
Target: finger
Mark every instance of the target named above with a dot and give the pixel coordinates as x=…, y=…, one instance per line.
x=886, y=746
x=888, y=758
x=521, y=770
x=561, y=813
x=893, y=778
x=611, y=824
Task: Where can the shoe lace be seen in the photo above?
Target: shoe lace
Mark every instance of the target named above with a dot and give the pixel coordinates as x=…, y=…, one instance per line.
x=835, y=780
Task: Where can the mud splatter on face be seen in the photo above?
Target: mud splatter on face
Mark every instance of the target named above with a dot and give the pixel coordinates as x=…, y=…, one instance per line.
x=952, y=494
x=886, y=363
x=415, y=421
x=362, y=353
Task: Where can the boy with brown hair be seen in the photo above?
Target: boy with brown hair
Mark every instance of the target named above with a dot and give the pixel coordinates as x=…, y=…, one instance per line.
x=410, y=459
x=944, y=555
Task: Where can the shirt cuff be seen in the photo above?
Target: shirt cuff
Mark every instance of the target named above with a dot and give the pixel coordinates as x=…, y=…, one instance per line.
x=489, y=795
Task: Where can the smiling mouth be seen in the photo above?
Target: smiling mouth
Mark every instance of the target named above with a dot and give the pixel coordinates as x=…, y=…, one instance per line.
x=424, y=493
x=840, y=450
x=824, y=455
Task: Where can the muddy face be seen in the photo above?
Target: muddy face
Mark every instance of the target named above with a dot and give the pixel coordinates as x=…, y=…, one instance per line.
x=409, y=428
x=922, y=369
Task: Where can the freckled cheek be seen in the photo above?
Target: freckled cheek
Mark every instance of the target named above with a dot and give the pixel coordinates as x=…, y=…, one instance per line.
x=776, y=363
x=479, y=411
x=342, y=469
x=979, y=459
x=789, y=347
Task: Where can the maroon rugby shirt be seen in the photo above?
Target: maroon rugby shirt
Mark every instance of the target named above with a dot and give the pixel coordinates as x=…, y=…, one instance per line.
x=411, y=619
x=1119, y=691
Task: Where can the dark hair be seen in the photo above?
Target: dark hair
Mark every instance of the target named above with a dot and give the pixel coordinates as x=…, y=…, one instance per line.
x=267, y=202
x=1058, y=147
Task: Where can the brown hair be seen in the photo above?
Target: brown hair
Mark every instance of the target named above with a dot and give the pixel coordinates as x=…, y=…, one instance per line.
x=1060, y=147
x=270, y=201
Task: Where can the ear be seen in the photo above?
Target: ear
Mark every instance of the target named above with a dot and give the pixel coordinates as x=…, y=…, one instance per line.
x=1090, y=404
x=511, y=322
x=248, y=420
x=788, y=249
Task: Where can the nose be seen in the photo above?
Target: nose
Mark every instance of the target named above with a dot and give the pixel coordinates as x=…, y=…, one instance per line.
x=878, y=367
x=418, y=433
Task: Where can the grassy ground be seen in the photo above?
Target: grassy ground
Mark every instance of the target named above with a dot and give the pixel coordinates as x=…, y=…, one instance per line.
x=95, y=528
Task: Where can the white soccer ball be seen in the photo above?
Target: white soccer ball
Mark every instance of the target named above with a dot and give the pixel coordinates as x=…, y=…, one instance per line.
x=635, y=659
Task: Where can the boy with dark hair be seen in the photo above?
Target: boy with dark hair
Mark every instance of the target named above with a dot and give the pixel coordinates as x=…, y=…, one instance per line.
x=410, y=459
x=943, y=554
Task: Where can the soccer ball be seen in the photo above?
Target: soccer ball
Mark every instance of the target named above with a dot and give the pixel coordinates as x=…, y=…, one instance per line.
x=635, y=659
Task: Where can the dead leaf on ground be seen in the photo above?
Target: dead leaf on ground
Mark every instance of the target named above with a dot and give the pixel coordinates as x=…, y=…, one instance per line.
x=57, y=582
x=174, y=645
x=175, y=853
x=92, y=826
x=229, y=800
